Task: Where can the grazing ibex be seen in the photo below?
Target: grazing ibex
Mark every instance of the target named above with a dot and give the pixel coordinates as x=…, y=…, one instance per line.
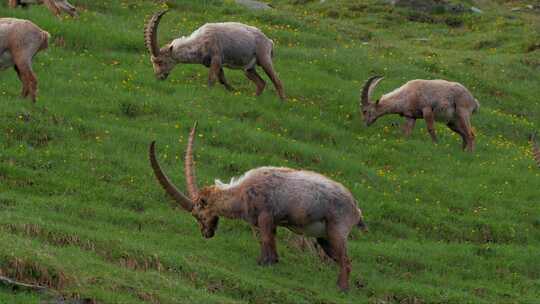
x=432, y=100
x=55, y=6
x=266, y=197
x=215, y=45
x=20, y=40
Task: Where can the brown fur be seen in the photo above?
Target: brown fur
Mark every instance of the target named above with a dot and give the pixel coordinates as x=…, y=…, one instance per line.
x=216, y=45
x=303, y=201
x=20, y=41
x=432, y=100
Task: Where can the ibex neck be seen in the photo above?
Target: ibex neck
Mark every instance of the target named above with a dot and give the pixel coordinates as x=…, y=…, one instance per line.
x=230, y=206
x=389, y=107
x=186, y=53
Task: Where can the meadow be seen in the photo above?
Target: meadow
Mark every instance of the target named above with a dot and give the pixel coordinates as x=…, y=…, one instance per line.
x=81, y=212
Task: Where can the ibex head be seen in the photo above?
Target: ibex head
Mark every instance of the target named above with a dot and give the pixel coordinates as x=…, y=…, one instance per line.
x=367, y=107
x=201, y=203
x=66, y=7
x=162, y=59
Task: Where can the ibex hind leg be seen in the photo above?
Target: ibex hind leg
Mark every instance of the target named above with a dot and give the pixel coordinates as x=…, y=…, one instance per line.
x=264, y=59
x=252, y=75
x=464, y=123
x=337, y=238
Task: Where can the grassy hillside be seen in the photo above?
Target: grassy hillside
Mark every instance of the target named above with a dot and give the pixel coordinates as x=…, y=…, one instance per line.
x=80, y=210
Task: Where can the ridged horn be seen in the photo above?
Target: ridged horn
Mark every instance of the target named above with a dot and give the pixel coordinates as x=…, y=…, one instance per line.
x=178, y=196
x=368, y=88
x=189, y=167
x=150, y=33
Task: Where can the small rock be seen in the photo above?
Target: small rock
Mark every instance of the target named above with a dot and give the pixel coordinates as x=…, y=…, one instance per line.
x=476, y=10
x=515, y=9
x=254, y=5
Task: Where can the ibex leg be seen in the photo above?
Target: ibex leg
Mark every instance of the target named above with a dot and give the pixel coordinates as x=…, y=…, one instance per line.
x=458, y=130
x=338, y=243
x=430, y=122
x=223, y=81
x=252, y=75
x=408, y=126
x=213, y=73
x=265, y=61
x=267, y=229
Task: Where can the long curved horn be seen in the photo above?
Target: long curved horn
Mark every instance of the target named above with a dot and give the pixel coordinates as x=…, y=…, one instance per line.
x=150, y=33
x=178, y=196
x=368, y=88
x=189, y=167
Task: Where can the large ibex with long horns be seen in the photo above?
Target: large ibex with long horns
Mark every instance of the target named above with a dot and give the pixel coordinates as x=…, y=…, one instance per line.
x=215, y=45
x=55, y=6
x=432, y=100
x=266, y=197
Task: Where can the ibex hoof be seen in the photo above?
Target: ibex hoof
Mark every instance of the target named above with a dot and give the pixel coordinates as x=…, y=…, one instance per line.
x=267, y=261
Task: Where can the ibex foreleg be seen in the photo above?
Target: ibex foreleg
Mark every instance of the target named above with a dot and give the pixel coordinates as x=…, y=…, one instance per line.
x=429, y=117
x=223, y=81
x=408, y=126
x=267, y=230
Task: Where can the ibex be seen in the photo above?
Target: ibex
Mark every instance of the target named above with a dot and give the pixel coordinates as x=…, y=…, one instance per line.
x=266, y=197
x=20, y=41
x=432, y=100
x=55, y=6
x=215, y=45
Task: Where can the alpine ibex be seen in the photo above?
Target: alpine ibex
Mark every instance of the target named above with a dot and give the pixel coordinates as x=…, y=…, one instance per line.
x=215, y=45
x=20, y=41
x=432, y=100
x=55, y=6
x=266, y=197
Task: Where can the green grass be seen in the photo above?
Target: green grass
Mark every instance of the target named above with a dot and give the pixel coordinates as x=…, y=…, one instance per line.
x=80, y=210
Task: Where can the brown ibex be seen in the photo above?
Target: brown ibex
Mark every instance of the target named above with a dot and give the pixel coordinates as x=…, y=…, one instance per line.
x=432, y=100
x=20, y=41
x=55, y=6
x=215, y=45
x=266, y=197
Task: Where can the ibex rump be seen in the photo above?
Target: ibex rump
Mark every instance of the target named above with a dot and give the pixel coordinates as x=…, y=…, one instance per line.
x=20, y=41
x=266, y=197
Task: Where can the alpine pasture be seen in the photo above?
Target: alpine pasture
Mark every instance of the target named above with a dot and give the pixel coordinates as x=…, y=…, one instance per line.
x=81, y=212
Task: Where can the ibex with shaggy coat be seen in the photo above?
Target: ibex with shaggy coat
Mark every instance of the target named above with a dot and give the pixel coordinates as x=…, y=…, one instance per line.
x=55, y=6
x=432, y=100
x=216, y=45
x=266, y=197
x=20, y=41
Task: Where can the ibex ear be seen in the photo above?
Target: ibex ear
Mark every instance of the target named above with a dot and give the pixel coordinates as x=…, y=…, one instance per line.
x=377, y=101
x=170, y=49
